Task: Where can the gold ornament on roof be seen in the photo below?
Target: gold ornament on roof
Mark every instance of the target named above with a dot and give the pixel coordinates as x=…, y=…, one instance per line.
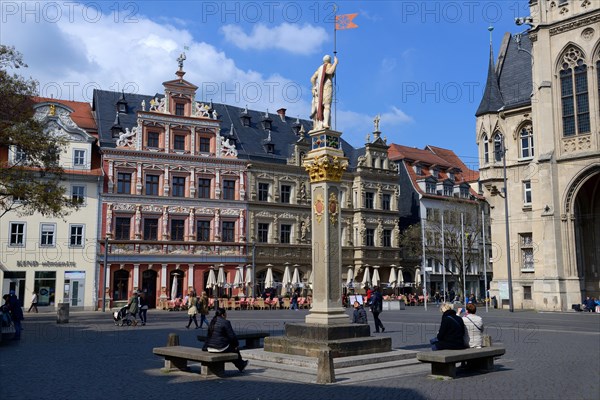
x=52, y=110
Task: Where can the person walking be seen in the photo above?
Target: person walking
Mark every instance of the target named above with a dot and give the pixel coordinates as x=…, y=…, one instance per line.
x=143, y=302
x=16, y=312
x=133, y=306
x=192, y=310
x=376, y=308
x=203, y=308
x=34, y=301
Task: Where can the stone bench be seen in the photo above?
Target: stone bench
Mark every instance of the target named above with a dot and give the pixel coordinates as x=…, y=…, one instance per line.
x=176, y=358
x=252, y=339
x=443, y=362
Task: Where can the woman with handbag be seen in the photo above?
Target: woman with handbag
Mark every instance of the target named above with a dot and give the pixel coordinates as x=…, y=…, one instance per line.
x=192, y=310
x=203, y=308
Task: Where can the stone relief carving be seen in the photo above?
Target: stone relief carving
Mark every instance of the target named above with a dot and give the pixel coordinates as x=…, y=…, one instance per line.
x=127, y=138
x=158, y=105
x=227, y=148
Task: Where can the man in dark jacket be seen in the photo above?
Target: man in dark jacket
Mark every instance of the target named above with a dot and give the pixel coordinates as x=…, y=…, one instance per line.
x=376, y=308
x=221, y=338
x=452, y=331
x=360, y=315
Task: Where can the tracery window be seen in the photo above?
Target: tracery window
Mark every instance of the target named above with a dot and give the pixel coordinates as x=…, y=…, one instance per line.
x=486, y=149
x=574, y=93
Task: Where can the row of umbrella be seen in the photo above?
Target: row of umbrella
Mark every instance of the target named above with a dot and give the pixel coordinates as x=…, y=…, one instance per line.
x=396, y=278
x=292, y=280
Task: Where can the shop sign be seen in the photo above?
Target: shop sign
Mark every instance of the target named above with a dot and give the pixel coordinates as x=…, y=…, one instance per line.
x=46, y=264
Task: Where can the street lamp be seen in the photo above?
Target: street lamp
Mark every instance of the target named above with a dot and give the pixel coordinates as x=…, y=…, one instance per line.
x=508, y=261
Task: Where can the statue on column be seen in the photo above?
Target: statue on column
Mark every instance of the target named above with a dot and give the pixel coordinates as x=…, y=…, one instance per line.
x=322, y=91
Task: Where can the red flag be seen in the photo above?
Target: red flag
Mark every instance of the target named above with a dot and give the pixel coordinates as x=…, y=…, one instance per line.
x=344, y=21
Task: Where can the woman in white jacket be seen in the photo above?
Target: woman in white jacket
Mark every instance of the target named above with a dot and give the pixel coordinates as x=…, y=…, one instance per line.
x=473, y=327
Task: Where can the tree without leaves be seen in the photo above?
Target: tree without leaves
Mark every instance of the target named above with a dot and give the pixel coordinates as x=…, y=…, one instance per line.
x=411, y=240
x=33, y=182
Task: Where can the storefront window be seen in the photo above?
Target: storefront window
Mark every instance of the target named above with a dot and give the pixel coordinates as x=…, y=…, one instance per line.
x=45, y=286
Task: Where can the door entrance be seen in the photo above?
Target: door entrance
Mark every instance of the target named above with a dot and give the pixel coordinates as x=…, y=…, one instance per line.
x=74, y=288
x=149, y=286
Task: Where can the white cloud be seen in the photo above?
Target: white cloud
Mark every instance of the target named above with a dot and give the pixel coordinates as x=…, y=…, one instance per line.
x=72, y=57
x=355, y=126
x=292, y=38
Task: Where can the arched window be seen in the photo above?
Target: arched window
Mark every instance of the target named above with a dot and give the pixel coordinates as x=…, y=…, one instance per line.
x=498, y=148
x=574, y=93
x=486, y=149
x=526, y=136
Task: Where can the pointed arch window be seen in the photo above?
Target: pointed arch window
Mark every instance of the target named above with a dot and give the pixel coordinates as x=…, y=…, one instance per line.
x=574, y=93
x=498, y=148
x=526, y=141
x=486, y=149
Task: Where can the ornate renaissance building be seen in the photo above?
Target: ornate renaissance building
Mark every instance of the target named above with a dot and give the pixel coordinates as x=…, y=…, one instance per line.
x=56, y=257
x=540, y=114
x=192, y=186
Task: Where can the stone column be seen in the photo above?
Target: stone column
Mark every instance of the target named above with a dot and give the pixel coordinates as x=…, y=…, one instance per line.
x=325, y=164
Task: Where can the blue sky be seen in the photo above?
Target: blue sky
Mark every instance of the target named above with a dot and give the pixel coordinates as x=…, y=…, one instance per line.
x=420, y=64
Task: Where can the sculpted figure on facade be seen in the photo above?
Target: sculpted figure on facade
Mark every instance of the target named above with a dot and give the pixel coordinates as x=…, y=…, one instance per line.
x=322, y=91
x=127, y=138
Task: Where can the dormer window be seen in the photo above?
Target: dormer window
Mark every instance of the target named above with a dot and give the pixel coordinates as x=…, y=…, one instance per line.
x=122, y=108
x=464, y=192
x=270, y=148
x=448, y=190
x=122, y=104
x=267, y=121
x=418, y=170
x=435, y=173
x=430, y=187
x=451, y=175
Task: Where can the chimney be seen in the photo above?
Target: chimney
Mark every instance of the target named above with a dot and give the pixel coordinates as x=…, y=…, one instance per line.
x=281, y=113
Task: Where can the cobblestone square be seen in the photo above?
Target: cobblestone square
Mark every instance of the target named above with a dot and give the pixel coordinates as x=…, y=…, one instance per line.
x=548, y=356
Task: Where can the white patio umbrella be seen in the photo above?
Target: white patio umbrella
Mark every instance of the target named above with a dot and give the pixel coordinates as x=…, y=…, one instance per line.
x=174, y=287
x=366, y=277
x=375, y=279
x=296, y=276
x=211, y=282
x=400, y=277
x=417, y=277
x=287, y=279
x=221, y=278
x=248, y=275
x=269, y=283
x=238, y=280
x=393, y=278
x=350, y=276
x=310, y=279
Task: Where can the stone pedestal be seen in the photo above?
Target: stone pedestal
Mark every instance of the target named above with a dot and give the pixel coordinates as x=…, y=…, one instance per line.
x=339, y=340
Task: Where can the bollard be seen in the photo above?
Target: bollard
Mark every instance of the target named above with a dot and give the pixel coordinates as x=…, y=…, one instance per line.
x=487, y=341
x=62, y=313
x=173, y=340
x=325, y=371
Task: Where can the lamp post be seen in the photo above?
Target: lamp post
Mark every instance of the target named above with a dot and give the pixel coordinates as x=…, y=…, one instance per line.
x=508, y=261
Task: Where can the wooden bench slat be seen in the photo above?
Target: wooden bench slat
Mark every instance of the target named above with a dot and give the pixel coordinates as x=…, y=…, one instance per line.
x=443, y=362
x=193, y=354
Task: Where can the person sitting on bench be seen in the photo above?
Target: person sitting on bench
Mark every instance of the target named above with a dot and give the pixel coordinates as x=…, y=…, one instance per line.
x=221, y=338
x=452, y=331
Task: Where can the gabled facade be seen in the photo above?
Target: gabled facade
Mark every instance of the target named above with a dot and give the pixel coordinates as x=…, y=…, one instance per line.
x=437, y=193
x=173, y=204
x=542, y=105
x=56, y=257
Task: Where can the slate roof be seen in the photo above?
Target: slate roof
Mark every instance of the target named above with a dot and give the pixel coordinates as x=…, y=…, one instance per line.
x=249, y=140
x=509, y=82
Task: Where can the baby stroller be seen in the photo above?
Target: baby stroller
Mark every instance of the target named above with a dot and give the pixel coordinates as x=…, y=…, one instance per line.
x=121, y=317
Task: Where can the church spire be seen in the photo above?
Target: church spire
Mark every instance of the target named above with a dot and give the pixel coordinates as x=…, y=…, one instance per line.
x=492, y=96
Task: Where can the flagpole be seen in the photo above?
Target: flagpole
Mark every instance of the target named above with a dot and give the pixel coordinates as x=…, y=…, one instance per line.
x=334, y=89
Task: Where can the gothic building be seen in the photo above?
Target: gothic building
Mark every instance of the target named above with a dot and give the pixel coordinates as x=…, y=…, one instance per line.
x=540, y=114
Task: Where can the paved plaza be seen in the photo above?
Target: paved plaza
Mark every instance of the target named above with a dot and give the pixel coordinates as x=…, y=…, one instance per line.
x=548, y=356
